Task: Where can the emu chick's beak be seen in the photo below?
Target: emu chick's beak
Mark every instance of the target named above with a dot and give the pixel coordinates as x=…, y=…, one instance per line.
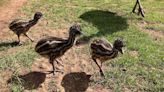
x=81, y=32
x=121, y=51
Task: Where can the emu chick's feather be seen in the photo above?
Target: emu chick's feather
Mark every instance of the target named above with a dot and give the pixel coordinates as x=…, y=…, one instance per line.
x=102, y=50
x=49, y=45
x=19, y=26
x=53, y=47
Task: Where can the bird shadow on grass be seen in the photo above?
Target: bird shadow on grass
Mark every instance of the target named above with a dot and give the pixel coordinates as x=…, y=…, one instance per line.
x=30, y=80
x=105, y=21
x=76, y=82
x=4, y=45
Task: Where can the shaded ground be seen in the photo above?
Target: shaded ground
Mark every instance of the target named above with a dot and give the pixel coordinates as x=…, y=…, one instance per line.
x=113, y=22
x=105, y=21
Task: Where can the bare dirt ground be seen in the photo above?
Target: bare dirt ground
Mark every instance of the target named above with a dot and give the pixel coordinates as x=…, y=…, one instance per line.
x=8, y=11
x=78, y=67
x=155, y=34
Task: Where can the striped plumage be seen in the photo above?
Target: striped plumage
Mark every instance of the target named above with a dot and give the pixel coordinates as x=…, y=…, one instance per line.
x=102, y=50
x=21, y=27
x=53, y=47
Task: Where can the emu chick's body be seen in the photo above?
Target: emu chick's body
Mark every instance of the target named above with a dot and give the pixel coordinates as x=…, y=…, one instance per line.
x=22, y=27
x=53, y=47
x=102, y=50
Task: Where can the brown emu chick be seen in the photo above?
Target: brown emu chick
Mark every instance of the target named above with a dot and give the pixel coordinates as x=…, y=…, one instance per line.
x=54, y=48
x=102, y=50
x=22, y=27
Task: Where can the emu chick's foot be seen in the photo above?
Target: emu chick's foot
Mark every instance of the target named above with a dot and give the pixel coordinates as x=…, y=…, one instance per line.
x=32, y=40
x=59, y=70
x=53, y=72
x=20, y=43
x=102, y=74
x=59, y=63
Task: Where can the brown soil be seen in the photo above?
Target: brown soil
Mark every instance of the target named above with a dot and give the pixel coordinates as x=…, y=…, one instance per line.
x=155, y=34
x=78, y=67
x=8, y=11
x=134, y=53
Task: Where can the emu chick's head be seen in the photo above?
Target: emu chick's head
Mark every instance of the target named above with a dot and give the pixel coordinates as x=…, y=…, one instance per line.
x=119, y=44
x=75, y=30
x=38, y=15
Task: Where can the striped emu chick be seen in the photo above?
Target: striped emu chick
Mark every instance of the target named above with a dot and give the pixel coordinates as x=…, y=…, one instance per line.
x=102, y=50
x=22, y=27
x=54, y=48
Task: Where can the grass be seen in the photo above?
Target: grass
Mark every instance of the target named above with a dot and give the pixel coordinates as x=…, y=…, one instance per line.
x=157, y=27
x=2, y=2
x=110, y=19
x=21, y=58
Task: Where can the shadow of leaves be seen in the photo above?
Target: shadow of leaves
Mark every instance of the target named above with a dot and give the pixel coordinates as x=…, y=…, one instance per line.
x=105, y=21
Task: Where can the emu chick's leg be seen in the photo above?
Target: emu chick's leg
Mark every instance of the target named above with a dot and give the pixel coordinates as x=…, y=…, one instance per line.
x=19, y=42
x=52, y=63
x=135, y=6
x=28, y=37
x=59, y=62
x=57, y=69
x=101, y=72
x=140, y=10
x=101, y=64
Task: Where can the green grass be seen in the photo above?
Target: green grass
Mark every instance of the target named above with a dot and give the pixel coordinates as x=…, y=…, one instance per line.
x=2, y=2
x=110, y=19
x=157, y=27
x=22, y=58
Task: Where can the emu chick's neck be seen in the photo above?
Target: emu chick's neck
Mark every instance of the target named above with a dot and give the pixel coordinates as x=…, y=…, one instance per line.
x=32, y=22
x=68, y=44
x=71, y=40
x=114, y=53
